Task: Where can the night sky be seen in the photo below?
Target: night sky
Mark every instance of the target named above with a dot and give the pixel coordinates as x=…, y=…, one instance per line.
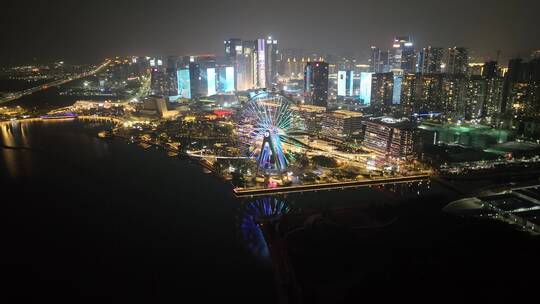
x=89, y=30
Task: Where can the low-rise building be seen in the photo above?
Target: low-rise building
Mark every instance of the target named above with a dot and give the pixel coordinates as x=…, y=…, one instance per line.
x=391, y=138
x=342, y=123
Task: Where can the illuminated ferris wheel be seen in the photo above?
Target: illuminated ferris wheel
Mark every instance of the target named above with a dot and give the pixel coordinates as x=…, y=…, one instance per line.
x=266, y=121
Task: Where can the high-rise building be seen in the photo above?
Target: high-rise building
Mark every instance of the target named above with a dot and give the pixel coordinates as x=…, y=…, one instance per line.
x=260, y=51
x=365, y=87
x=474, y=98
x=272, y=61
x=382, y=92
x=396, y=90
x=233, y=49
x=198, y=78
x=490, y=69
x=408, y=85
x=247, y=67
x=493, y=99
x=386, y=62
x=453, y=89
x=428, y=94
x=184, y=82
x=226, y=77
x=345, y=83
x=432, y=60
x=522, y=101
x=163, y=81
x=234, y=53
x=458, y=61
x=316, y=83
x=521, y=94
x=375, y=64
x=403, y=54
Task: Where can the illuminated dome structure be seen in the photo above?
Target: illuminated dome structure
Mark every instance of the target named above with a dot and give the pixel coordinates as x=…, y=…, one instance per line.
x=266, y=121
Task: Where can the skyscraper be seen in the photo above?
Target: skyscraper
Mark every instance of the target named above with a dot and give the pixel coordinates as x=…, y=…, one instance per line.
x=233, y=49
x=458, y=60
x=163, y=75
x=493, y=99
x=247, y=68
x=316, y=83
x=197, y=78
x=345, y=83
x=474, y=98
x=382, y=92
x=453, y=90
x=490, y=69
x=432, y=60
x=514, y=74
x=375, y=60
x=365, y=87
x=272, y=61
x=403, y=54
x=234, y=52
x=260, y=51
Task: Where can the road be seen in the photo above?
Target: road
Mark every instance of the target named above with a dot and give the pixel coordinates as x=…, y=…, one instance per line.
x=17, y=95
x=251, y=192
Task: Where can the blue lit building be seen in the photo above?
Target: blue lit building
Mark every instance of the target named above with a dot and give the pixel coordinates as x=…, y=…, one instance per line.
x=396, y=93
x=226, y=79
x=198, y=78
x=365, y=87
x=184, y=83
x=345, y=83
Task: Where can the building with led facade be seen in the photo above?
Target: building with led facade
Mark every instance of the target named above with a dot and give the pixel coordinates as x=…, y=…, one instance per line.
x=345, y=83
x=365, y=87
x=260, y=51
x=396, y=89
x=226, y=79
x=198, y=78
x=184, y=83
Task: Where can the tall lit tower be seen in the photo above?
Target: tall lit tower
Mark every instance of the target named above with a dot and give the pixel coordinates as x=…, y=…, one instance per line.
x=316, y=83
x=432, y=60
x=458, y=61
x=272, y=60
x=234, y=56
x=375, y=60
x=260, y=53
x=403, y=54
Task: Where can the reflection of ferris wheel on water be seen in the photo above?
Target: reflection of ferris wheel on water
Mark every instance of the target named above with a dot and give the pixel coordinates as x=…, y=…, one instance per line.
x=252, y=214
x=266, y=122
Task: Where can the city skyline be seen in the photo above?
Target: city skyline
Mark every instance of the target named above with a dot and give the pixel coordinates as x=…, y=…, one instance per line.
x=269, y=151
x=484, y=27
